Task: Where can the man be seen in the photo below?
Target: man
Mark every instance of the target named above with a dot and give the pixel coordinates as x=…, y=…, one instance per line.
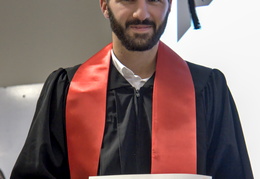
x=135, y=107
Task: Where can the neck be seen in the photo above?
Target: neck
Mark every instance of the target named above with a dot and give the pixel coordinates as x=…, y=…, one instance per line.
x=141, y=63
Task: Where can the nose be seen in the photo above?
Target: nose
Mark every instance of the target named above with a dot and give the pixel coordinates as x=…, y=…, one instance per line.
x=141, y=11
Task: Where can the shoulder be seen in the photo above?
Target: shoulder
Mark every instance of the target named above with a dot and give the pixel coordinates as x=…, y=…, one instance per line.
x=58, y=80
x=203, y=76
x=63, y=74
x=71, y=71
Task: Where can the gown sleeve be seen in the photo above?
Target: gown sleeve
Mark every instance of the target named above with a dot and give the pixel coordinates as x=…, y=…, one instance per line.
x=44, y=154
x=226, y=153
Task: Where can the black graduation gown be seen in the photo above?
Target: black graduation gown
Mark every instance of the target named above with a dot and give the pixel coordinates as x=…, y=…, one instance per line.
x=221, y=149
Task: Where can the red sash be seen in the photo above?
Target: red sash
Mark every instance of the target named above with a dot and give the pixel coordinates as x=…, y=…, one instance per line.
x=173, y=115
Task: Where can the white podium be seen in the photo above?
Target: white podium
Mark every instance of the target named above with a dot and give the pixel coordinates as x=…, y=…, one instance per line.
x=153, y=176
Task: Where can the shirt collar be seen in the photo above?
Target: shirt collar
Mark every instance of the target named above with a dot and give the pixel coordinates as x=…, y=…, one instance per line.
x=135, y=80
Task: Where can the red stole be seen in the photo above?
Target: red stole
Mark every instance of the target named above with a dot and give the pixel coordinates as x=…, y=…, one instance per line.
x=173, y=115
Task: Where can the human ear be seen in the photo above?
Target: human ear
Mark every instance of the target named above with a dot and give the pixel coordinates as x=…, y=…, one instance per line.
x=103, y=6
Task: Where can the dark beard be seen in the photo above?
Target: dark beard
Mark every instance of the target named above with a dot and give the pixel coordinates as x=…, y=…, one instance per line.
x=140, y=42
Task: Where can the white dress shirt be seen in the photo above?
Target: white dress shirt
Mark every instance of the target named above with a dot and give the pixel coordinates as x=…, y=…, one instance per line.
x=136, y=81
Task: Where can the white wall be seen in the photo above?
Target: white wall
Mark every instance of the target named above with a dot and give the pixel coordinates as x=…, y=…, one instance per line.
x=17, y=105
x=229, y=40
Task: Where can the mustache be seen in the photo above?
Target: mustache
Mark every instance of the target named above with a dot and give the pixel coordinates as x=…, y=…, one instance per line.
x=139, y=22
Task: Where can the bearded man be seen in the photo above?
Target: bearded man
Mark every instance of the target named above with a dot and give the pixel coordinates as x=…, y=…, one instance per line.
x=135, y=108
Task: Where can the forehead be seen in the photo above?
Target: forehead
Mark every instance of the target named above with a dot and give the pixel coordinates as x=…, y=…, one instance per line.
x=154, y=2
x=157, y=5
x=136, y=0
